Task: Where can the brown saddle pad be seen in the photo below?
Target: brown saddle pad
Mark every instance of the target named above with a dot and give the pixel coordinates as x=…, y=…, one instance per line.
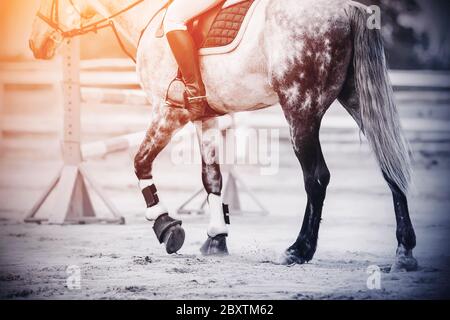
x=226, y=25
x=219, y=26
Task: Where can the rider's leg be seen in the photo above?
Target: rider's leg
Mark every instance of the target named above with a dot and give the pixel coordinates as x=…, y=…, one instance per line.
x=185, y=51
x=185, y=54
x=180, y=12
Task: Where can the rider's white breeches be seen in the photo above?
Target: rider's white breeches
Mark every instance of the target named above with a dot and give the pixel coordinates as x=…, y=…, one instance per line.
x=180, y=12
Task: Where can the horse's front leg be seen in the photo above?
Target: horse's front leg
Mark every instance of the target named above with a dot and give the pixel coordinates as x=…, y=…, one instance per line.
x=209, y=137
x=164, y=124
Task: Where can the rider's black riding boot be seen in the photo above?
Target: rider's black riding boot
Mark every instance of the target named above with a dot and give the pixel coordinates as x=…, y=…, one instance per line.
x=186, y=55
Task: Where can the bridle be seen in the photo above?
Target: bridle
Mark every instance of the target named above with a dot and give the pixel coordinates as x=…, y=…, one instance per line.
x=54, y=23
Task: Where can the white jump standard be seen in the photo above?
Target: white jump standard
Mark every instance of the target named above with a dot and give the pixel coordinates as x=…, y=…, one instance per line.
x=73, y=203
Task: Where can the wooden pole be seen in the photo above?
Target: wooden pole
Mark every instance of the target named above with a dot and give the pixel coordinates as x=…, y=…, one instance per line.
x=72, y=201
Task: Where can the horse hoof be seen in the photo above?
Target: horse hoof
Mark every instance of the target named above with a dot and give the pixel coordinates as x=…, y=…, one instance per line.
x=174, y=239
x=404, y=261
x=291, y=257
x=404, y=264
x=215, y=246
x=169, y=232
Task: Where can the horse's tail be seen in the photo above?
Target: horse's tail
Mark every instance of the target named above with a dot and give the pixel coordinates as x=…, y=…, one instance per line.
x=379, y=116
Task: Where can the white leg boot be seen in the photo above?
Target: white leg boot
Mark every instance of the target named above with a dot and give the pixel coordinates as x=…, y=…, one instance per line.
x=217, y=224
x=217, y=229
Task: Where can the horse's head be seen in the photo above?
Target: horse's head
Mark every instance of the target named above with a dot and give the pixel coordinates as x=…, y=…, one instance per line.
x=53, y=19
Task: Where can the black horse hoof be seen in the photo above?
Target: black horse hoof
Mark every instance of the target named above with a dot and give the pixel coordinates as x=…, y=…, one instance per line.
x=215, y=246
x=169, y=232
x=174, y=239
x=291, y=257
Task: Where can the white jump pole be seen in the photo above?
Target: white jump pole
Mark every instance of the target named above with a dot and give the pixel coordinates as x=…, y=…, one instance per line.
x=72, y=203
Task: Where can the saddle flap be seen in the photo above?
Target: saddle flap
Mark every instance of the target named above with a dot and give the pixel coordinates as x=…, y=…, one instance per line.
x=200, y=26
x=219, y=26
x=227, y=24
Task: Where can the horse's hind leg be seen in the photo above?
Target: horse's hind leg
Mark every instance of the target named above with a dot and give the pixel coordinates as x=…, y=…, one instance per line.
x=406, y=237
x=305, y=137
x=208, y=136
x=165, y=122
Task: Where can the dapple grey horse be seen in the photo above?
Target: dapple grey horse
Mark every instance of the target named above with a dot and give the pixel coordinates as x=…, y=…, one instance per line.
x=302, y=54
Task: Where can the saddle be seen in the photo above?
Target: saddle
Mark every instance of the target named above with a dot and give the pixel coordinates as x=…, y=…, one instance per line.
x=220, y=29
x=220, y=26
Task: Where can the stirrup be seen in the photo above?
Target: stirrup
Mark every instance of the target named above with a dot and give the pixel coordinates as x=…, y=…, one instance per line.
x=172, y=103
x=187, y=99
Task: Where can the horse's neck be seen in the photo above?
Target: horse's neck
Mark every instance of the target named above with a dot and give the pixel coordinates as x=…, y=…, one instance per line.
x=131, y=23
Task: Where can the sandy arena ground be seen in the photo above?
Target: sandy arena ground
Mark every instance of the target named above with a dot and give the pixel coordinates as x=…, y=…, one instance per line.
x=127, y=262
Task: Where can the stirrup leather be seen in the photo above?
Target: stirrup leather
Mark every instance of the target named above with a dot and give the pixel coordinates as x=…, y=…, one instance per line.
x=196, y=99
x=196, y=105
x=189, y=100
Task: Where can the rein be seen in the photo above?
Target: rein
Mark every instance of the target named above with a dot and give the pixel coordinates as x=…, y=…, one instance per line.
x=53, y=22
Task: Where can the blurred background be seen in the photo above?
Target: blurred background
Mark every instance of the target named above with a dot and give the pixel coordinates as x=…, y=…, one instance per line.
x=415, y=32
